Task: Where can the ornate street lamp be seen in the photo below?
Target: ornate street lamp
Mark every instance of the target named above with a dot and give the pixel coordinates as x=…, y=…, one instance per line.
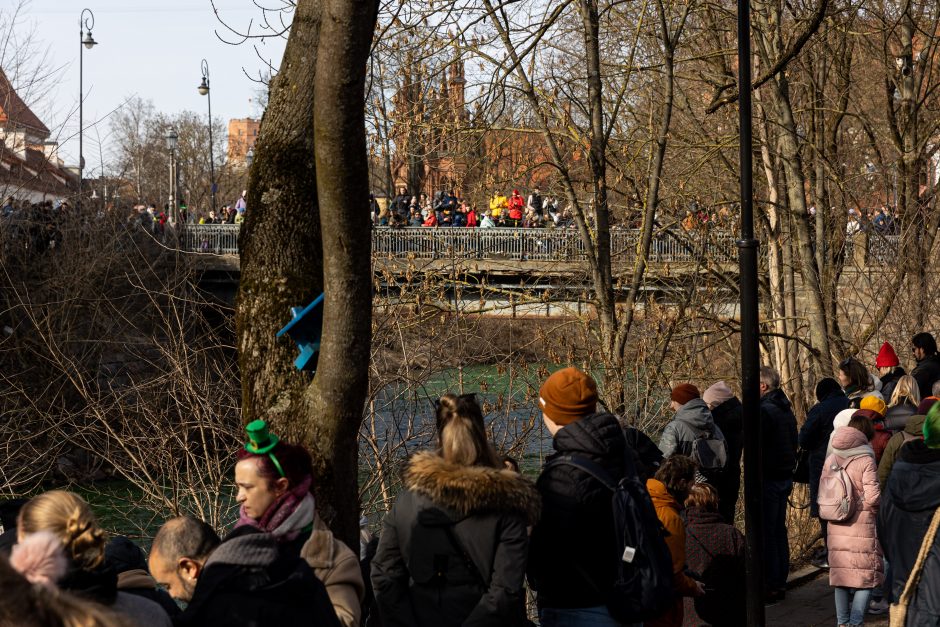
x=204, y=91
x=172, y=141
x=86, y=22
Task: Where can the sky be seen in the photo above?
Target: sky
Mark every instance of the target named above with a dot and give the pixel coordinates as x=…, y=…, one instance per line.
x=146, y=48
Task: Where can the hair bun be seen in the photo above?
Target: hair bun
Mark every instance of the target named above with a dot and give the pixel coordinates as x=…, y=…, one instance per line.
x=86, y=542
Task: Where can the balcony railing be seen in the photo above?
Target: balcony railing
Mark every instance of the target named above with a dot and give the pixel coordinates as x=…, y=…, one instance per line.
x=532, y=244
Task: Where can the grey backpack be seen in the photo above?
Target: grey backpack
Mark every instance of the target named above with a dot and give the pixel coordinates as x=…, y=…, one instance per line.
x=709, y=452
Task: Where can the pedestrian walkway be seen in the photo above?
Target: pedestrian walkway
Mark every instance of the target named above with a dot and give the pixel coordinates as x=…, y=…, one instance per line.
x=812, y=604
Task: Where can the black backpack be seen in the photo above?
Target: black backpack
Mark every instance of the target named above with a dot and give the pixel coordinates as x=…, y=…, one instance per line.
x=644, y=588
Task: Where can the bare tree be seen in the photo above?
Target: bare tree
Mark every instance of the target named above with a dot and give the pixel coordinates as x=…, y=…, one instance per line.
x=308, y=230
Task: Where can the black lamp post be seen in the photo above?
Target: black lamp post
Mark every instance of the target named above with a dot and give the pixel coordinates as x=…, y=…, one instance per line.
x=86, y=22
x=204, y=90
x=172, y=140
x=748, y=248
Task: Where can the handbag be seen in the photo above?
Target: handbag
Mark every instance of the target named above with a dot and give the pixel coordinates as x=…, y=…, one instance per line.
x=801, y=472
x=898, y=611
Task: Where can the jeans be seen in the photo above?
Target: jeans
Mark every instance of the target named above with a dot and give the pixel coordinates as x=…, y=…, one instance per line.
x=851, y=605
x=776, y=544
x=579, y=617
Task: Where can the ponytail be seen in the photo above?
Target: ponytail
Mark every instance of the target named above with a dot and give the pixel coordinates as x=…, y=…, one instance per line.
x=462, y=433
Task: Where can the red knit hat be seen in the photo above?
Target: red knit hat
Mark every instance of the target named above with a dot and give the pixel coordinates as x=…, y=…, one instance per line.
x=568, y=395
x=684, y=392
x=887, y=358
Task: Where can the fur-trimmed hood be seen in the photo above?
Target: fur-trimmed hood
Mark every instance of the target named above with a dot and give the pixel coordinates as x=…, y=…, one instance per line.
x=470, y=489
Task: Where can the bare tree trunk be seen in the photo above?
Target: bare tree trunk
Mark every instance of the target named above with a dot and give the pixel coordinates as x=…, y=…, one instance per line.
x=307, y=231
x=775, y=256
x=338, y=394
x=281, y=255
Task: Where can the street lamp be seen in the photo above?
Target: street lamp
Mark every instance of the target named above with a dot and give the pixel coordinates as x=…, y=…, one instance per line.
x=172, y=140
x=85, y=24
x=204, y=91
x=748, y=248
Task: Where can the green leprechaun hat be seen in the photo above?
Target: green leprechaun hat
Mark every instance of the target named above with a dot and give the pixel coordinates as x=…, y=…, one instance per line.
x=260, y=440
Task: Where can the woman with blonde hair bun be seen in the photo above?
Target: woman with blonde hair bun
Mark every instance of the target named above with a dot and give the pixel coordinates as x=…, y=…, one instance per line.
x=454, y=546
x=70, y=519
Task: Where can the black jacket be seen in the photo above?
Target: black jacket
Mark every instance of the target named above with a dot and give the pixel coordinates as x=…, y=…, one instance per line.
x=573, y=560
x=247, y=582
x=925, y=373
x=907, y=506
x=729, y=416
x=778, y=436
x=890, y=381
x=646, y=455
x=814, y=437
x=454, y=546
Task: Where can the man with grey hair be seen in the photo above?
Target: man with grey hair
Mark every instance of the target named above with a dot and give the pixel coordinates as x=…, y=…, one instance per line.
x=778, y=459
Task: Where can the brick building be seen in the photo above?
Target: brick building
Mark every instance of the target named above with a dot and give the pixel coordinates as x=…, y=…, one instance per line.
x=242, y=134
x=439, y=145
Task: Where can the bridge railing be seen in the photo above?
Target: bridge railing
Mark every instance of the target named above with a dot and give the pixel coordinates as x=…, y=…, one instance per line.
x=219, y=239
x=528, y=244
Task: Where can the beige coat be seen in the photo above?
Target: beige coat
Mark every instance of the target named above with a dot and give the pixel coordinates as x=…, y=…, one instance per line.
x=338, y=568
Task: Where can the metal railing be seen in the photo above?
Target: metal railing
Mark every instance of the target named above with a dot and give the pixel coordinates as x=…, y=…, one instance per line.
x=219, y=239
x=673, y=246
x=498, y=243
x=545, y=244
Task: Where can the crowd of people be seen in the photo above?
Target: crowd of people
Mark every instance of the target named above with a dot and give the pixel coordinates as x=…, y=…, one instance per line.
x=881, y=221
x=447, y=210
x=615, y=531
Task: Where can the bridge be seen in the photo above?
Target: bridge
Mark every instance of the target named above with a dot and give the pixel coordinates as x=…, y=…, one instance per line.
x=558, y=251
x=509, y=267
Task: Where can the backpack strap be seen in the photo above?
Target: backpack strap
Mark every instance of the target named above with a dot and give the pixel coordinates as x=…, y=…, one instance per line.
x=468, y=561
x=586, y=465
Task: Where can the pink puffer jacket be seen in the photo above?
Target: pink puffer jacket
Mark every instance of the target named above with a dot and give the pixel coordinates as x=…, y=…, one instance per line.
x=855, y=557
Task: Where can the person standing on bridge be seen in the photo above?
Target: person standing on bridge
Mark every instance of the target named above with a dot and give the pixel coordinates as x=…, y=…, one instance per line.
x=534, y=203
x=516, y=205
x=498, y=204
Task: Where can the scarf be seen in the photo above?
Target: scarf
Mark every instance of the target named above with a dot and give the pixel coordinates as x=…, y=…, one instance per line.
x=287, y=516
x=857, y=451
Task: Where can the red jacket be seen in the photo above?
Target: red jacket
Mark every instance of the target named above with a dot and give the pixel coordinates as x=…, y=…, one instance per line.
x=471, y=218
x=516, y=205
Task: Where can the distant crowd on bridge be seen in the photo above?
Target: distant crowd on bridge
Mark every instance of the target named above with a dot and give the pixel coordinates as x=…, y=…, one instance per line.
x=534, y=210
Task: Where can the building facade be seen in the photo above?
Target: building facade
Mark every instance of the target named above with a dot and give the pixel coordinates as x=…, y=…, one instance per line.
x=242, y=134
x=30, y=168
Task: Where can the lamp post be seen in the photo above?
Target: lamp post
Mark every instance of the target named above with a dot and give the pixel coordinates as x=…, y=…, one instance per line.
x=85, y=40
x=748, y=248
x=204, y=90
x=172, y=139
